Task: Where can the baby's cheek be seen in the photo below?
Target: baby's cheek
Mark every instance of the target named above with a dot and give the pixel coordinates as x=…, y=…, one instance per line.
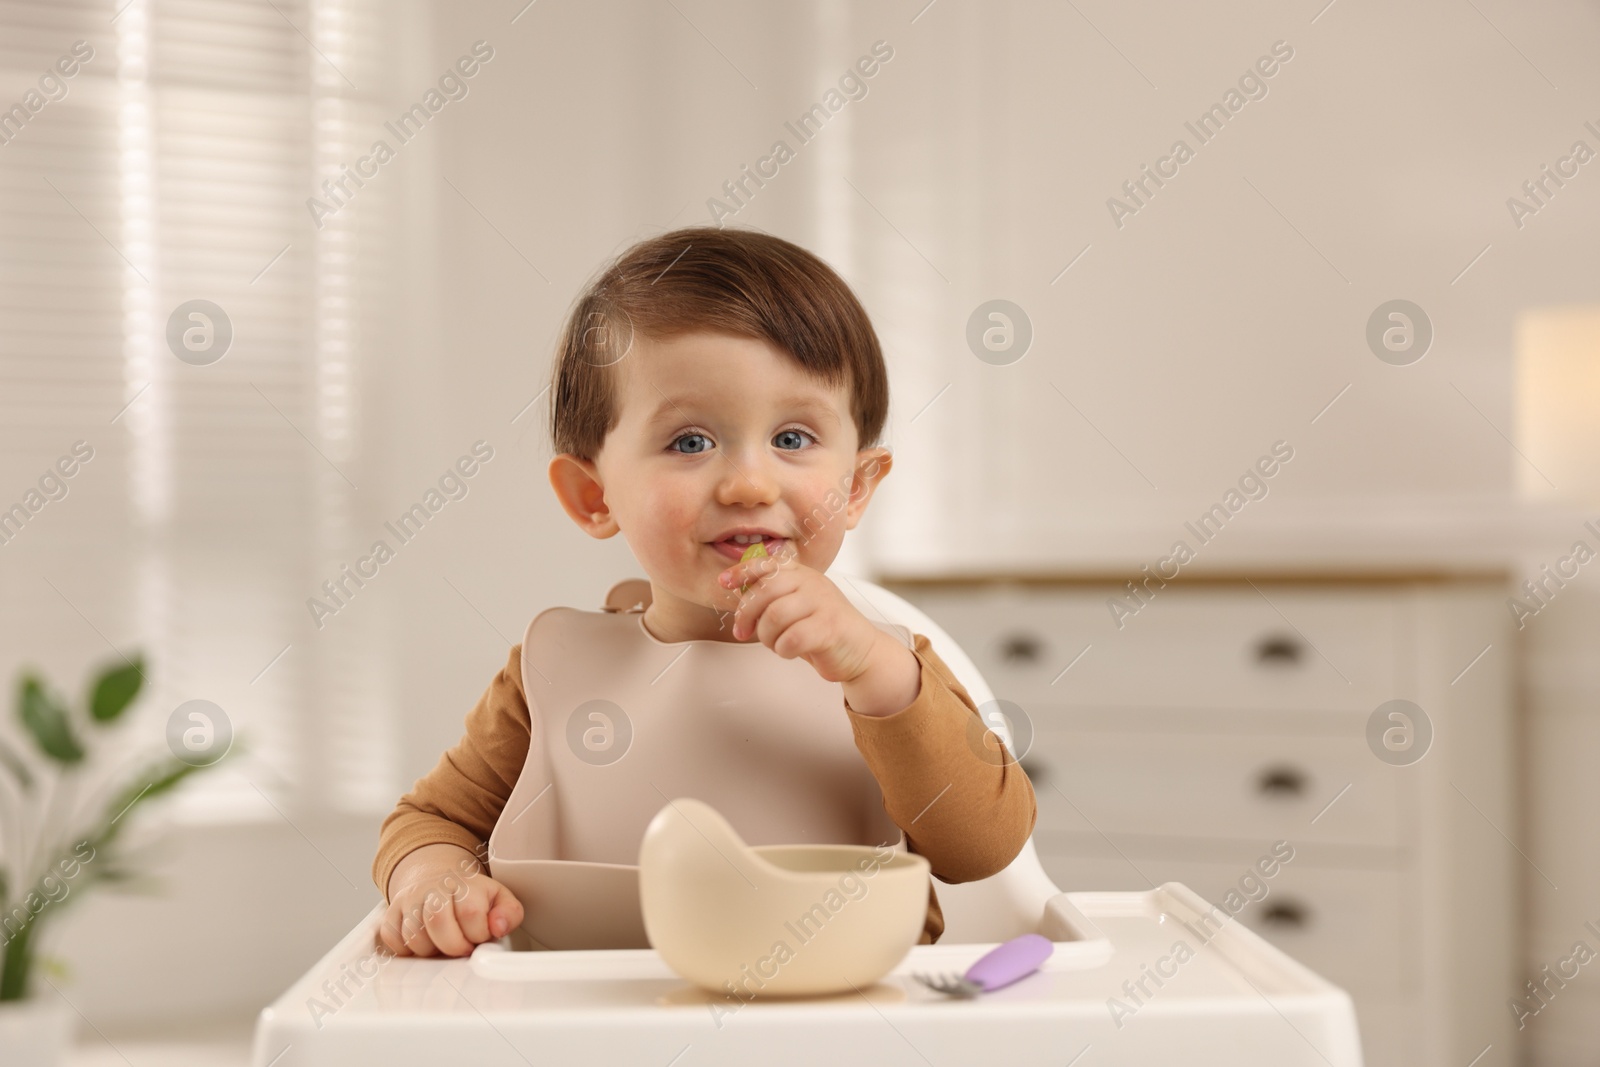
x=822, y=524
x=669, y=525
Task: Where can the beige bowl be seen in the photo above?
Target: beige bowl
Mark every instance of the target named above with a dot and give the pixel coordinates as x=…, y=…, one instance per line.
x=776, y=919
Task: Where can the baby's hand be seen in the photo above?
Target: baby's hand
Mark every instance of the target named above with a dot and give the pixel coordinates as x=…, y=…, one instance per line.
x=797, y=611
x=442, y=901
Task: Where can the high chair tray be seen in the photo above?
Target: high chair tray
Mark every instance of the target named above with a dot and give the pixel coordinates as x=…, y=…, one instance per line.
x=1078, y=943
x=1179, y=982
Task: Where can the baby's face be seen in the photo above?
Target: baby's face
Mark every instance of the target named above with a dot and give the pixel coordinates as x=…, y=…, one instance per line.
x=717, y=434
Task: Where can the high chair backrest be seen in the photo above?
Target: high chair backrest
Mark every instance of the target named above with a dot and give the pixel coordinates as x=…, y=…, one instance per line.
x=1011, y=902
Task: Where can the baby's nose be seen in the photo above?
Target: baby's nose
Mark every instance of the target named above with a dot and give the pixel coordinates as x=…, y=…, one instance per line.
x=748, y=480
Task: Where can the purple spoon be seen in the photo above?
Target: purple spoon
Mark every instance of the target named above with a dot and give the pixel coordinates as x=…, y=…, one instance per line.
x=998, y=967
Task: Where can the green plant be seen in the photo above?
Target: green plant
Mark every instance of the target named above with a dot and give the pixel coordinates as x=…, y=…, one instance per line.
x=46, y=844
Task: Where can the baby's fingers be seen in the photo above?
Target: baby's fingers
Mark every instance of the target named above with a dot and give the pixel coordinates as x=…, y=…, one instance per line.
x=413, y=927
x=414, y=935
x=505, y=911
x=472, y=915
x=439, y=919
x=389, y=932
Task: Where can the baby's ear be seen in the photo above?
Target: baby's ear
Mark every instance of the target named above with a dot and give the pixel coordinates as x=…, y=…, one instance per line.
x=577, y=485
x=872, y=466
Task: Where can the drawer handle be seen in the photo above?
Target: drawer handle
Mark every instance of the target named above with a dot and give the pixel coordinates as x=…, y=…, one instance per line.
x=1279, y=650
x=1281, y=782
x=1286, y=915
x=1021, y=648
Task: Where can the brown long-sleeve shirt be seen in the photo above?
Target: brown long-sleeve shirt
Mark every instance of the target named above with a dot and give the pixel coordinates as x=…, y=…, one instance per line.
x=963, y=806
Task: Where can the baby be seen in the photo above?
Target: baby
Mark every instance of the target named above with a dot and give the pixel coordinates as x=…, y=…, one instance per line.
x=712, y=387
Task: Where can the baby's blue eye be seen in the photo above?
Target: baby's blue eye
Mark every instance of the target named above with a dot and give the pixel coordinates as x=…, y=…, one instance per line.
x=791, y=433
x=689, y=437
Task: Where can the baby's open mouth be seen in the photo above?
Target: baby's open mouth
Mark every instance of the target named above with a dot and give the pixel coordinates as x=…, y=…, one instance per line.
x=734, y=549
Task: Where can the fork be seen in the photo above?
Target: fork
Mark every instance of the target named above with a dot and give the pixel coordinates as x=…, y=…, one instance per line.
x=998, y=967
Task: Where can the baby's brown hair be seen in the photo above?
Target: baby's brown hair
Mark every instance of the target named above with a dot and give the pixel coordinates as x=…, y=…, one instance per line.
x=739, y=282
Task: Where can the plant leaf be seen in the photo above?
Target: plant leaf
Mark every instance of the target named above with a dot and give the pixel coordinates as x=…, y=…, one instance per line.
x=19, y=769
x=48, y=723
x=115, y=689
x=165, y=777
x=162, y=778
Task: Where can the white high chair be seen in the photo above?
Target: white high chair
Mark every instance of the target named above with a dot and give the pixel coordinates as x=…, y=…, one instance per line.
x=1238, y=1001
x=1010, y=902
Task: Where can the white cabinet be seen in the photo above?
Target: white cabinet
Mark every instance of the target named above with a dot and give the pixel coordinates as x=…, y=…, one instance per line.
x=1228, y=716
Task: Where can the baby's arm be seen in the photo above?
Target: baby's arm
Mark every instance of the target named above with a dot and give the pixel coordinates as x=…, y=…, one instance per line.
x=427, y=864
x=963, y=805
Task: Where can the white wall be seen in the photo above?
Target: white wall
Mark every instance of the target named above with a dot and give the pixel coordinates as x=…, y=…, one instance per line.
x=1191, y=338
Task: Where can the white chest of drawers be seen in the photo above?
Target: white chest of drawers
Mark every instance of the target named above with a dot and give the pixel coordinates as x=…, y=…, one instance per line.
x=1228, y=716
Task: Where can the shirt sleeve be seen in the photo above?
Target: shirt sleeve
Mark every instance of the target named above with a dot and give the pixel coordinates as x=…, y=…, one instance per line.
x=459, y=801
x=947, y=781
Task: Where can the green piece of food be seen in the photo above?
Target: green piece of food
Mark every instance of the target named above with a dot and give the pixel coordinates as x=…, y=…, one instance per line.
x=755, y=551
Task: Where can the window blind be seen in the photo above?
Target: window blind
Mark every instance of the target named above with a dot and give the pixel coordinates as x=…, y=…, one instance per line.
x=174, y=165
